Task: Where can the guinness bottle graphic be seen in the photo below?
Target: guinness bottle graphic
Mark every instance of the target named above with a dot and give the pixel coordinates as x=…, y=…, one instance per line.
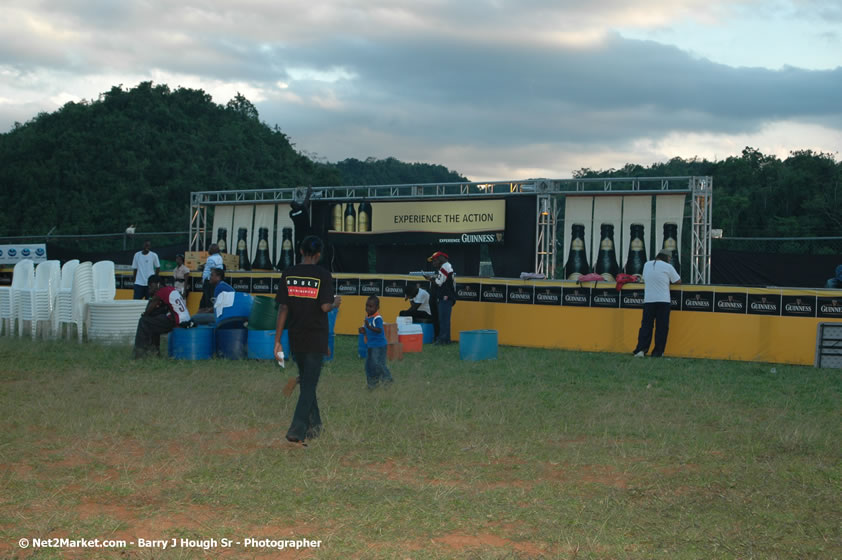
x=262, y=260
x=364, y=217
x=222, y=239
x=287, y=257
x=606, y=259
x=671, y=244
x=242, y=248
x=336, y=217
x=577, y=258
x=637, y=250
x=350, y=217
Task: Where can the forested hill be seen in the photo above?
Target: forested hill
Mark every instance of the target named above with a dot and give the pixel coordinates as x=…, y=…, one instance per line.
x=757, y=195
x=134, y=156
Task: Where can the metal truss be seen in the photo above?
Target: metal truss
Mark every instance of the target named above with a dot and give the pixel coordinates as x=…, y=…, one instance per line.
x=546, y=191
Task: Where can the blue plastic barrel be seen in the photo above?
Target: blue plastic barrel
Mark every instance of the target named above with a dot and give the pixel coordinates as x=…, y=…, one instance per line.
x=362, y=349
x=191, y=344
x=429, y=332
x=478, y=345
x=240, y=308
x=231, y=343
x=261, y=345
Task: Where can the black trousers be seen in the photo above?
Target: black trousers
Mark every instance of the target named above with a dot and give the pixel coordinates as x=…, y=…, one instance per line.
x=657, y=316
x=147, y=340
x=207, y=294
x=306, y=421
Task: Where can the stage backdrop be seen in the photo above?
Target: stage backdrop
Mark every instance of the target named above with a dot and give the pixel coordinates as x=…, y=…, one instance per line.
x=264, y=217
x=223, y=218
x=607, y=214
x=669, y=211
x=243, y=218
x=637, y=210
x=578, y=210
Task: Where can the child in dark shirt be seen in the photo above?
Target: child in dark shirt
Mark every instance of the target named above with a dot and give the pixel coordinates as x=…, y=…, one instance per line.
x=376, y=370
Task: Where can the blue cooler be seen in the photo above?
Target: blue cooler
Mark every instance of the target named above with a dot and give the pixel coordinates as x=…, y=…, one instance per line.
x=240, y=308
x=478, y=345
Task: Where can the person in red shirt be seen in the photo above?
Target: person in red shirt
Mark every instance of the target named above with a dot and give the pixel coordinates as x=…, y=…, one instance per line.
x=165, y=311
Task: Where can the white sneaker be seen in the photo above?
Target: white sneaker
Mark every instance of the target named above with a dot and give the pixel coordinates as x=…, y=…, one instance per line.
x=640, y=354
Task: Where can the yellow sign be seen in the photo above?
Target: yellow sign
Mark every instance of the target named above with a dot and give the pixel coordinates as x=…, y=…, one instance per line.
x=439, y=217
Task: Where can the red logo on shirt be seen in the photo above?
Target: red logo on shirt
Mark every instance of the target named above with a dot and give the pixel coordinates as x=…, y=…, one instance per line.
x=303, y=287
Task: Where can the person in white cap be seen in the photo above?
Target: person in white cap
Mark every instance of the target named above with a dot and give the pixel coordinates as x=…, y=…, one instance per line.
x=445, y=293
x=658, y=275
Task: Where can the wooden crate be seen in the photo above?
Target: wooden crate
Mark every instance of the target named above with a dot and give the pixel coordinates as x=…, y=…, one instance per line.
x=195, y=260
x=231, y=262
x=394, y=351
x=391, y=332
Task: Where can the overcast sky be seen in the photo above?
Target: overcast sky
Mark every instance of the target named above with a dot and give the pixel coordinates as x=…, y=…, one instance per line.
x=494, y=89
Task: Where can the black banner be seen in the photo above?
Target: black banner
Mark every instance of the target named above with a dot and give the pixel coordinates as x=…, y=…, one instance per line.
x=521, y=294
x=347, y=286
x=675, y=300
x=764, y=304
x=261, y=285
x=631, y=299
x=196, y=283
x=371, y=287
x=605, y=298
x=697, y=301
x=394, y=288
x=276, y=284
x=829, y=307
x=495, y=293
x=5, y=278
x=241, y=284
x=799, y=306
x=467, y=292
x=126, y=281
x=548, y=295
x=576, y=297
x=730, y=302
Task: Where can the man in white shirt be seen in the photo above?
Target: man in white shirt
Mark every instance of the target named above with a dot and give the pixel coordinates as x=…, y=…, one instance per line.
x=145, y=264
x=658, y=275
x=419, y=307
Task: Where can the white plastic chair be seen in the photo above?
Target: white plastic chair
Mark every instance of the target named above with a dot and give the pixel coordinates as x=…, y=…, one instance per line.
x=64, y=297
x=22, y=283
x=82, y=293
x=114, y=321
x=47, y=282
x=23, y=276
x=105, y=287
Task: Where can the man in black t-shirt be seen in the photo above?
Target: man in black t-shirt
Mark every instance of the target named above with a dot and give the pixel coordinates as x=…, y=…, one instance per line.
x=305, y=296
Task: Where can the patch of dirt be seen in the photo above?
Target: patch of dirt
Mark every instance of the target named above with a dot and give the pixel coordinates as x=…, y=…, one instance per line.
x=605, y=475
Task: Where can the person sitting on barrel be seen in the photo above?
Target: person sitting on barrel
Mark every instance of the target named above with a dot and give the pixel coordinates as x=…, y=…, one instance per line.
x=835, y=283
x=165, y=311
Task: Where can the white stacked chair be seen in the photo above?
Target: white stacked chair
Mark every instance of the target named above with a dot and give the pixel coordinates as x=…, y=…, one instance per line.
x=47, y=282
x=114, y=321
x=64, y=298
x=82, y=293
x=22, y=285
x=105, y=288
x=23, y=276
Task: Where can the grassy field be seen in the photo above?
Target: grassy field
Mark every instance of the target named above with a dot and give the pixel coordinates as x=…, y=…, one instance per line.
x=541, y=453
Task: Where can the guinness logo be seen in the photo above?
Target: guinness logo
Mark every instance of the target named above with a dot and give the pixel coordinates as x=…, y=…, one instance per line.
x=499, y=237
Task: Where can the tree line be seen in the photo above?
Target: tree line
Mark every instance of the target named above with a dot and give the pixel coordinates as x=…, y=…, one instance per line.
x=133, y=156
